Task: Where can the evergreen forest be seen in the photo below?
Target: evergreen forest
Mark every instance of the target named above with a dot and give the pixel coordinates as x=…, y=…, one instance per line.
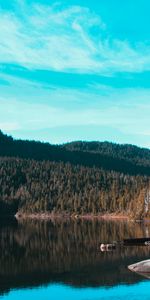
x=78, y=178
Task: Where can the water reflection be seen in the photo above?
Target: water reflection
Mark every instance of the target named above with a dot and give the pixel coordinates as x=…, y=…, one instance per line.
x=54, y=291
x=34, y=253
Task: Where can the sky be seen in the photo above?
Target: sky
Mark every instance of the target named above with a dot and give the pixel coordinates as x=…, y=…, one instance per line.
x=75, y=70
x=65, y=292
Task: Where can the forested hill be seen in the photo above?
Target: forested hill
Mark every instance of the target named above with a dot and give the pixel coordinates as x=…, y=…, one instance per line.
x=73, y=178
x=137, y=155
x=126, y=159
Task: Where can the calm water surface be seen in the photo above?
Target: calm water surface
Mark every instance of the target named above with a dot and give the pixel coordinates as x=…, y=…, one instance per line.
x=62, y=260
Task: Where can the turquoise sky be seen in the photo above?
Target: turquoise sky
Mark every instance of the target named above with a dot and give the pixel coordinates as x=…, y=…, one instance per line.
x=75, y=70
x=136, y=292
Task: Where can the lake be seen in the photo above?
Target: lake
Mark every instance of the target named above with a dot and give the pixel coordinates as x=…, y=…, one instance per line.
x=62, y=260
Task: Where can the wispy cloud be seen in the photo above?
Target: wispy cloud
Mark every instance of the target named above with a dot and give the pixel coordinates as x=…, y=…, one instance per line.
x=70, y=39
x=54, y=38
x=125, y=109
x=9, y=126
x=118, y=114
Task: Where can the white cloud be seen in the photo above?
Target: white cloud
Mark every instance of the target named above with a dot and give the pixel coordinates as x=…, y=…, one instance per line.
x=127, y=110
x=124, y=110
x=49, y=37
x=9, y=126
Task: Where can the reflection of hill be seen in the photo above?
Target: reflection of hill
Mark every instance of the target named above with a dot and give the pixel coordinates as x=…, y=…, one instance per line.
x=34, y=253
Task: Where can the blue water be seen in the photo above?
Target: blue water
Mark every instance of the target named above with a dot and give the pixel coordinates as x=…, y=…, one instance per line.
x=53, y=292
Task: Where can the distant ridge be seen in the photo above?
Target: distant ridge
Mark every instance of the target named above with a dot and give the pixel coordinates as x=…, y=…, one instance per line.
x=127, y=159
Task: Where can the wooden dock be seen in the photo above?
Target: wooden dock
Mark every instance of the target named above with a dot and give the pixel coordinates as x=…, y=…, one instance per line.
x=125, y=242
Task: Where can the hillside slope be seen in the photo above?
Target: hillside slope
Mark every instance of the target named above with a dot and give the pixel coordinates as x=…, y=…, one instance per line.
x=40, y=178
x=126, y=159
x=134, y=154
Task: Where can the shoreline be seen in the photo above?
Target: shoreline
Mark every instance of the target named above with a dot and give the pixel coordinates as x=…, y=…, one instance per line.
x=55, y=216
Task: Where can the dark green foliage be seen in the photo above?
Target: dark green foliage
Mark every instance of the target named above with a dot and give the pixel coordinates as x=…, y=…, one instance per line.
x=134, y=154
x=76, y=178
x=126, y=159
x=57, y=187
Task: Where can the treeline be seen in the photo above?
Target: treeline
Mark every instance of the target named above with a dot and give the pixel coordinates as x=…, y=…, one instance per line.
x=30, y=186
x=125, y=159
x=74, y=178
x=134, y=154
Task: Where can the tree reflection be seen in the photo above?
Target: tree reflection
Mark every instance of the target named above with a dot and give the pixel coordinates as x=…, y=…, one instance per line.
x=39, y=252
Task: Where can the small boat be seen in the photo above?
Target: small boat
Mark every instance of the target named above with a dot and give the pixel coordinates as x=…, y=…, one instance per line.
x=141, y=268
x=107, y=247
